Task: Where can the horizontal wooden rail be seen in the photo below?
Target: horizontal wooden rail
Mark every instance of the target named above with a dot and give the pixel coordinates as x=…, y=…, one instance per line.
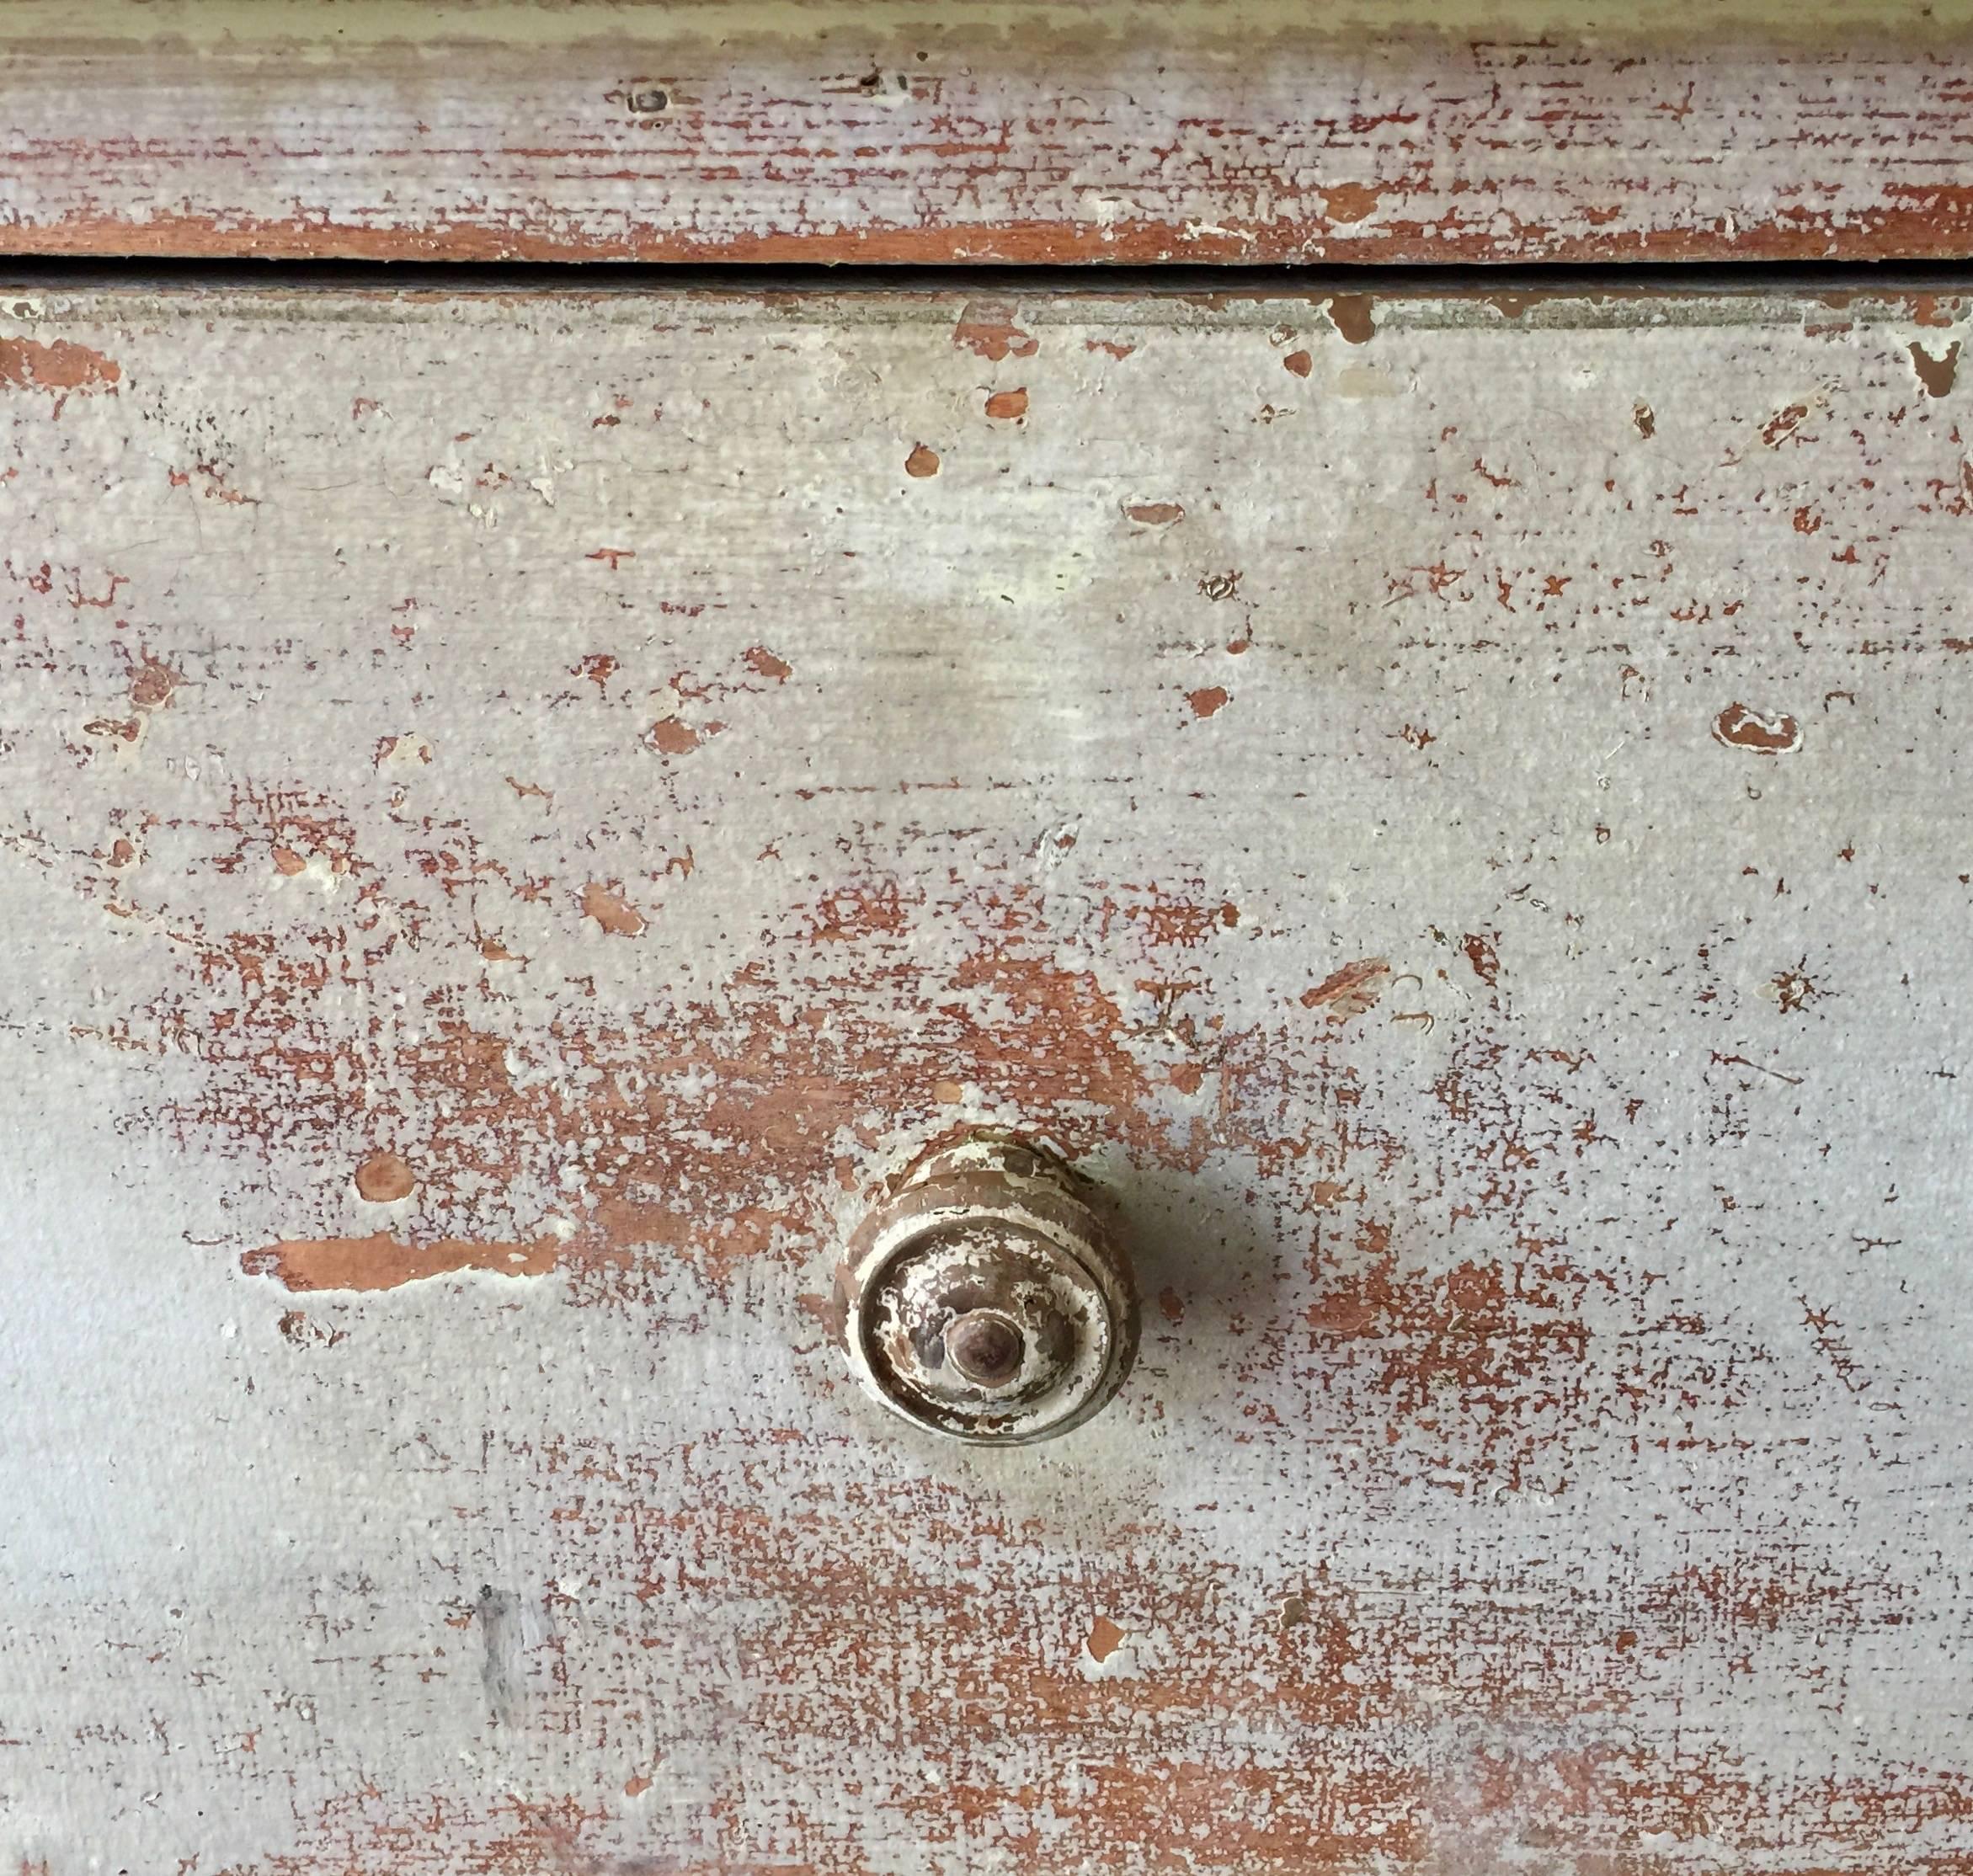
x=965, y=133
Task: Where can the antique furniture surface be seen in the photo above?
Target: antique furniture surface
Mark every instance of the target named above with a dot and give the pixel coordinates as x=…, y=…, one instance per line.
x=542, y=811
x=521, y=807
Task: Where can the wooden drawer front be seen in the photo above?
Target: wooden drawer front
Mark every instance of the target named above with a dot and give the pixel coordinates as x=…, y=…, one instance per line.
x=516, y=810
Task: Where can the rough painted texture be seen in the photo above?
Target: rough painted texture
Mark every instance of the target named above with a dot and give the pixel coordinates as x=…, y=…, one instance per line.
x=1544, y=130
x=515, y=811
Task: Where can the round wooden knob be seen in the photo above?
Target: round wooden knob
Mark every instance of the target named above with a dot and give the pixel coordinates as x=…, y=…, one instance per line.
x=989, y=1296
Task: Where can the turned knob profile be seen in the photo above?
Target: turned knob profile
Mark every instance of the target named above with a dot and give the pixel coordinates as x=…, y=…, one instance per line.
x=989, y=1296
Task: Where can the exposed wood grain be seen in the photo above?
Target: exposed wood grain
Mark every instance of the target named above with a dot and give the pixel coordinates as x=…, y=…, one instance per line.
x=515, y=812
x=1242, y=133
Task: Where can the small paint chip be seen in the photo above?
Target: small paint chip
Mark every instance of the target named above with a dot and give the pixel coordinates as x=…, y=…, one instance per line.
x=762, y=663
x=1783, y=424
x=299, y=1332
x=607, y=906
x=1104, y=1640
x=923, y=462
x=1349, y=990
x=1349, y=203
x=1936, y=374
x=1742, y=729
x=670, y=736
x=400, y=752
x=384, y=1178
x=1481, y=955
x=152, y=685
x=1155, y=514
x=1299, y=363
x=1207, y=702
x=1350, y=314
x=1646, y=420
x=1008, y=406
x=987, y=328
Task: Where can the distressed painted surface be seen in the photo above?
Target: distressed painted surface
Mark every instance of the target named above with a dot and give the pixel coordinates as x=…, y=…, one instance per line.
x=1543, y=131
x=515, y=812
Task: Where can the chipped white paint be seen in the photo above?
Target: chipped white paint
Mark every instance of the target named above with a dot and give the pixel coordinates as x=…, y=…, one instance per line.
x=1353, y=829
